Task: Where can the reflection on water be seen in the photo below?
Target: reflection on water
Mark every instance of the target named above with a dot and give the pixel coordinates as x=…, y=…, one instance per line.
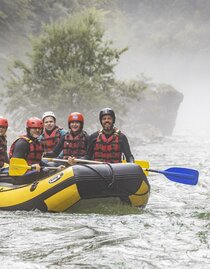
x=172, y=231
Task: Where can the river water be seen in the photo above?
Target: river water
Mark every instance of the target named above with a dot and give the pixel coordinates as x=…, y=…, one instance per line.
x=173, y=231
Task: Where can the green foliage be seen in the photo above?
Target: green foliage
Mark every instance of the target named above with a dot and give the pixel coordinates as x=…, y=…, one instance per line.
x=71, y=68
x=158, y=26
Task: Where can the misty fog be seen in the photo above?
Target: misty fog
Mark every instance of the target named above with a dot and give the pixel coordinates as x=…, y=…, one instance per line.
x=189, y=75
x=168, y=41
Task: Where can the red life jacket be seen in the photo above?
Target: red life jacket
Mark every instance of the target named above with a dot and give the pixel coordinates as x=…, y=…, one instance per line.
x=74, y=146
x=3, y=150
x=108, y=149
x=50, y=141
x=35, y=150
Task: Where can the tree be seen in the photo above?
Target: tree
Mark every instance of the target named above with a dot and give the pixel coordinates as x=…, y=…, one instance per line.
x=71, y=68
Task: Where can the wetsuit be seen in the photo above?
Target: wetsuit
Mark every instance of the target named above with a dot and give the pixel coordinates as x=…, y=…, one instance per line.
x=21, y=149
x=3, y=151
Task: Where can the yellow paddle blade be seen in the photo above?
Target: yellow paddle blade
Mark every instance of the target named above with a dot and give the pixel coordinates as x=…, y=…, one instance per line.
x=143, y=164
x=18, y=167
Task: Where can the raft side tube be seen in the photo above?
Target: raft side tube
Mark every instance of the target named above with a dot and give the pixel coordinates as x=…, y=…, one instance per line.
x=110, y=180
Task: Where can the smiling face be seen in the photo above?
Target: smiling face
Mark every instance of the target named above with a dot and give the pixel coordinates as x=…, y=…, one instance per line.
x=35, y=132
x=3, y=130
x=49, y=123
x=75, y=126
x=107, y=123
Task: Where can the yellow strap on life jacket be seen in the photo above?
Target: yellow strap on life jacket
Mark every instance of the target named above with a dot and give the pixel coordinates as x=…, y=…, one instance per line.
x=26, y=138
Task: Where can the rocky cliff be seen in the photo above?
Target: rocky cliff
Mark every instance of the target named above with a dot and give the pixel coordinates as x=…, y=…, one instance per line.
x=156, y=112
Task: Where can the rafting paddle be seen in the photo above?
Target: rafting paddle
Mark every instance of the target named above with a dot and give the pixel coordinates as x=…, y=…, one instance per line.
x=177, y=174
x=18, y=167
x=143, y=164
x=180, y=175
x=76, y=160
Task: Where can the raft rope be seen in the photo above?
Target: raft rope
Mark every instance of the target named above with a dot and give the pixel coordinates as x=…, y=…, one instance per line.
x=104, y=178
x=113, y=179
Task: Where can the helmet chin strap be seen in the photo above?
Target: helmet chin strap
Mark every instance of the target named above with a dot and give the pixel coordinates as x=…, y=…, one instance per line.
x=30, y=135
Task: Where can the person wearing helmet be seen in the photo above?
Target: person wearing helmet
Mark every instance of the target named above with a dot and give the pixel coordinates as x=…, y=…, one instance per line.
x=109, y=144
x=74, y=143
x=28, y=147
x=3, y=141
x=52, y=133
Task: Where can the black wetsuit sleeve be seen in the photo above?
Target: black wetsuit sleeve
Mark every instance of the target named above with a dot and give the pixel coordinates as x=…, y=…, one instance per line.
x=6, y=158
x=87, y=141
x=90, y=148
x=125, y=147
x=3, y=151
x=21, y=149
x=57, y=150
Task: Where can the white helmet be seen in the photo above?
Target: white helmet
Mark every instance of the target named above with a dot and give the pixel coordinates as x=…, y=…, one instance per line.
x=48, y=114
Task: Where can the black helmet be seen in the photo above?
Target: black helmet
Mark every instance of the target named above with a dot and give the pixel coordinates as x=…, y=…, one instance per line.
x=107, y=111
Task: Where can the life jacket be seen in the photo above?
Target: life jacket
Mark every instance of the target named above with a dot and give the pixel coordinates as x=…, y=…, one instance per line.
x=35, y=150
x=75, y=145
x=50, y=141
x=3, y=150
x=108, y=149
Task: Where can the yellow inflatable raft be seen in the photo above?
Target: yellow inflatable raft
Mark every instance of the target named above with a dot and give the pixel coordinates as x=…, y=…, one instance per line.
x=62, y=190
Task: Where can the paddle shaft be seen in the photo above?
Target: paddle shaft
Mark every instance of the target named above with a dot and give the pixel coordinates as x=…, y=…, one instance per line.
x=50, y=167
x=76, y=160
x=34, y=168
x=30, y=168
x=170, y=173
